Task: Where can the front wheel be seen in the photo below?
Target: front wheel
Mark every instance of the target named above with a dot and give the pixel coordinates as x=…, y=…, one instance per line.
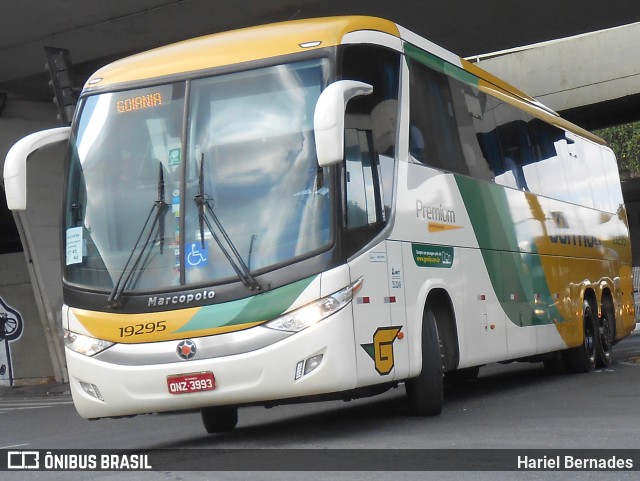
x=219, y=419
x=425, y=392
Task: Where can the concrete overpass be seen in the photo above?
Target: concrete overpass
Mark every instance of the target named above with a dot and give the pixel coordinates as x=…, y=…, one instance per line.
x=592, y=79
x=96, y=32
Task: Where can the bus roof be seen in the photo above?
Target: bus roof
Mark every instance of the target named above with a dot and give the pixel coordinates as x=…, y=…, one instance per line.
x=273, y=40
x=236, y=46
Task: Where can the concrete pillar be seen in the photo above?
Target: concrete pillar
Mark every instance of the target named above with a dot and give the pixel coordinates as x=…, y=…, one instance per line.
x=30, y=282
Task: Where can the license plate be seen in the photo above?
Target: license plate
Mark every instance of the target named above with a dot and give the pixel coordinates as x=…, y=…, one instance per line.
x=191, y=382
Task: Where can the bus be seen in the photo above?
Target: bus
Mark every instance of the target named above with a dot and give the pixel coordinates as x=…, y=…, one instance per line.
x=324, y=209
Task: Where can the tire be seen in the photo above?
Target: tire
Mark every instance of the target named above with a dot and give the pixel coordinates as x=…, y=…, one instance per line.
x=219, y=419
x=425, y=392
x=604, y=344
x=583, y=358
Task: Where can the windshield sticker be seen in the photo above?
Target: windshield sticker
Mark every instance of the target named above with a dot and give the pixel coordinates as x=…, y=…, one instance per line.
x=175, y=203
x=377, y=257
x=197, y=256
x=432, y=255
x=174, y=157
x=74, y=246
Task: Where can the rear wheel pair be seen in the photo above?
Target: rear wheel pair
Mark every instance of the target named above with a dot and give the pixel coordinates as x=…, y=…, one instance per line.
x=606, y=334
x=597, y=345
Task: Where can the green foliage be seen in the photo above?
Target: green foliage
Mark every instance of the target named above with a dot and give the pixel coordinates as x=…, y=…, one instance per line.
x=624, y=140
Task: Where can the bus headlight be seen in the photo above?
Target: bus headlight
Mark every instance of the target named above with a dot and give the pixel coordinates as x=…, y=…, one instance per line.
x=316, y=311
x=89, y=346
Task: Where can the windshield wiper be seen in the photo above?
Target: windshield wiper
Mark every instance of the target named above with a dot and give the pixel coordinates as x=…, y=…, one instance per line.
x=226, y=246
x=160, y=207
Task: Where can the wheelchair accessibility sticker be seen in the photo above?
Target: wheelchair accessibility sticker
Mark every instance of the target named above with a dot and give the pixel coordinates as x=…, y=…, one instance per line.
x=197, y=256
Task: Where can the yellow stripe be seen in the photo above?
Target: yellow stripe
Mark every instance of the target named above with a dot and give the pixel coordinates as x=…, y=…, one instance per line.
x=507, y=97
x=438, y=227
x=147, y=327
x=492, y=79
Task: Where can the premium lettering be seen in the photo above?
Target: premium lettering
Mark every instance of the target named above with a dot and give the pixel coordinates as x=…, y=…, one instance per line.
x=437, y=213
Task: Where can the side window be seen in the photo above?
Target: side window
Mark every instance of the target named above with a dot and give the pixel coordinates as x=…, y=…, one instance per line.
x=515, y=146
x=549, y=165
x=362, y=181
x=370, y=141
x=594, y=165
x=433, y=129
x=376, y=113
x=456, y=126
x=474, y=115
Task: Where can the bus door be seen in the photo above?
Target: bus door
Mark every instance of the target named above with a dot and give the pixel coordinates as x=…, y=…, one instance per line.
x=377, y=332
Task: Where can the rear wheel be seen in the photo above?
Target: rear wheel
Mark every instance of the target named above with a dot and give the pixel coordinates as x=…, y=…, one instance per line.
x=583, y=358
x=219, y=419
x=604, y=345
x=425, y=392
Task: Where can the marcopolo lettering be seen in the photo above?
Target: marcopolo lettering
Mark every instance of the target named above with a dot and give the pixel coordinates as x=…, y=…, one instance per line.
x=177, y=299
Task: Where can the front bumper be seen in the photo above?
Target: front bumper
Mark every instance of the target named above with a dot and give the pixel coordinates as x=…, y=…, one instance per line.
x=262, y=375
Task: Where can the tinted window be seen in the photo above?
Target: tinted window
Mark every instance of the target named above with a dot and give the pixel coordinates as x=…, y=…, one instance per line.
x=454, y=126
x=370, y=141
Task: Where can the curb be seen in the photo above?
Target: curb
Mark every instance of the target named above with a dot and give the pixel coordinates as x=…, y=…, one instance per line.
x=36, y=390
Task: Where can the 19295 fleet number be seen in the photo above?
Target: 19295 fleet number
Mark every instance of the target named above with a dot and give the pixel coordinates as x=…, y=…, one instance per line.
x=145, y=328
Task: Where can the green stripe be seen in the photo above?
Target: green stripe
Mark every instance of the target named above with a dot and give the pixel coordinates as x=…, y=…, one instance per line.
x=440, y=65
x=516, y=274
x=262, y=307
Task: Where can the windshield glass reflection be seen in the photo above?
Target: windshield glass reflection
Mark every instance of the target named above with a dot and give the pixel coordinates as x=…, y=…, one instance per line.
x=250, y=154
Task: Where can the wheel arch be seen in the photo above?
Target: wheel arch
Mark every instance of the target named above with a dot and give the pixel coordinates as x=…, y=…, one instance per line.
x=589, y=295
x=439, y=301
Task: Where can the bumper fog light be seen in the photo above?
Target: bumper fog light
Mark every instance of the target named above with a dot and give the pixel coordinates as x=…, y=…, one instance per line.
x=312, y=363
x=91, y=389
x=305, y=367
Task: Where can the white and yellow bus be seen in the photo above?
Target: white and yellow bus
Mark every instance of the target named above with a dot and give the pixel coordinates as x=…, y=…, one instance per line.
x=324, y=209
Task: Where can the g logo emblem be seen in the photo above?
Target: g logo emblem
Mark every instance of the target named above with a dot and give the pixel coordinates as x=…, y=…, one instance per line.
x=381, y=350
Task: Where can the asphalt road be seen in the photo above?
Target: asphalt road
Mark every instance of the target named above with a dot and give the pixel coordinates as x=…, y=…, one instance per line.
x=515, y=406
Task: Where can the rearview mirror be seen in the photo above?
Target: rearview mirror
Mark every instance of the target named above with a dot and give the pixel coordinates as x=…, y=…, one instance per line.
x=15, y=164
x=328, y=120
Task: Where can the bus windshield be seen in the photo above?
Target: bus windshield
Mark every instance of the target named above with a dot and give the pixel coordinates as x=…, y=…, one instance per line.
x=196, y=182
